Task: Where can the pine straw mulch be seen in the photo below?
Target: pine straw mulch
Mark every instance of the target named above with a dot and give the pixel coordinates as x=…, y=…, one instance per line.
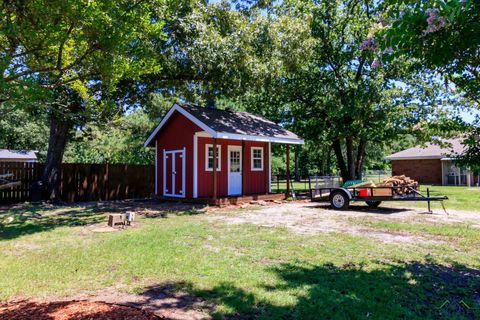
x=70, y=310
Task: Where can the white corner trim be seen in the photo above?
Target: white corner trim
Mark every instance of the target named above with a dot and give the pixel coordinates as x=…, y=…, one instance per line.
x=156, y=167
x=219, y=161
x=190, y=117
x=164, y=173
x=195, y=166
x=251, y=158
x=269, y=167
x=184, y=172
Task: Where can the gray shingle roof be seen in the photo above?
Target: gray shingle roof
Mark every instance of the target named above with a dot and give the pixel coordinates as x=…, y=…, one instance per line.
x=21, y=155
x=225, y=124
x=243, y=123
x=430, y=151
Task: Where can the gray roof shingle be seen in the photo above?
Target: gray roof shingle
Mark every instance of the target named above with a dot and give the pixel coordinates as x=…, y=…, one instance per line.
x=226, y=124
x=430, y=151
x=21, y=155
x=236, y=122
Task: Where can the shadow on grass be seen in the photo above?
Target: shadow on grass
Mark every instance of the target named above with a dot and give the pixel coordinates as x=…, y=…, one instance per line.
x=25, y=219
x=18, y=222
x=405, y=291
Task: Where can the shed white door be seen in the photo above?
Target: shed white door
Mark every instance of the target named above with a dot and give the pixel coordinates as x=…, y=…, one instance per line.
x=174, y=173
x=234, y=170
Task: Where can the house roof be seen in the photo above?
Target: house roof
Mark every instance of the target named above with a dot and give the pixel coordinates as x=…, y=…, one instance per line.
x=22, y=155
x=430, y=151
x=225, y=124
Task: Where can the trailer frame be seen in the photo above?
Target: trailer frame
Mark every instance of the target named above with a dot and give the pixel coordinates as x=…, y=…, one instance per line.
x=334, y=196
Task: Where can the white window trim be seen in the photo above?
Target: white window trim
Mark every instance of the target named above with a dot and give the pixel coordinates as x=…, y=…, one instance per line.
x=219, y=161
x=262, y=158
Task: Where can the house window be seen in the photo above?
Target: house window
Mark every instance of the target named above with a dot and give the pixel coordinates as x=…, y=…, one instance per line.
x=209, y=157
x=257, y=159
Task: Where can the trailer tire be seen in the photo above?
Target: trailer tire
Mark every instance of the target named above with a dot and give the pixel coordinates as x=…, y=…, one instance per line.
x=373, y=204
x=339, y=200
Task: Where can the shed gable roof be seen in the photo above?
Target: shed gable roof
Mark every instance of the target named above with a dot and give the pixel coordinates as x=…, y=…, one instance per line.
x=430, y=151
x=231, y=125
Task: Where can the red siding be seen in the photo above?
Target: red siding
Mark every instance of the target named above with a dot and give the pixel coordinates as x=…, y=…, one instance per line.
x=422, y=170
x=177, y=133
x=255, y=182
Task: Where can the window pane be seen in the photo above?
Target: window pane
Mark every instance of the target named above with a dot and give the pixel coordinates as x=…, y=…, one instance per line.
x=210, y=157
x=257, y=163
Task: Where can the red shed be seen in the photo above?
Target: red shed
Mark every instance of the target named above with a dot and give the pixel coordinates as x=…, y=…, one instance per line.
x=184, y=159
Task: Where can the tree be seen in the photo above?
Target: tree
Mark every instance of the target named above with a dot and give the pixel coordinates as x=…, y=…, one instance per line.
x=441, y=37
x=21, y=130
x=69, y=57
x=332, y=87
x=119, y=141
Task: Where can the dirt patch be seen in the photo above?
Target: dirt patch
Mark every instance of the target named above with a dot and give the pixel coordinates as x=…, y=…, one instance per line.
x=165, y=301
x=71, y=310
x=313, y=218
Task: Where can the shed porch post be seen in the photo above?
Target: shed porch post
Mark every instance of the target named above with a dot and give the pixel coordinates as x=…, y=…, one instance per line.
x=243, y=168
x=288, y=170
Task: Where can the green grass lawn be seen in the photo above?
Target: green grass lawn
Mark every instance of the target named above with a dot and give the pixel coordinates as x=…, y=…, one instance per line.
x=245, y=271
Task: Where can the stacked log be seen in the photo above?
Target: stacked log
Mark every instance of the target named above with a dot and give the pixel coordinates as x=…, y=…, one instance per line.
x=402, y=184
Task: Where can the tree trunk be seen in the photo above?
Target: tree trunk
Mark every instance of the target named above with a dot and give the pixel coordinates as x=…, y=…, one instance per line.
x=337, y=148
x=59, y=130
x=360, y=159
x=350, y=158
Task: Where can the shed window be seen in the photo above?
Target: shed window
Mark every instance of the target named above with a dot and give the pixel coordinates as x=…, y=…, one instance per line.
x=257, y=159
x=209, y=157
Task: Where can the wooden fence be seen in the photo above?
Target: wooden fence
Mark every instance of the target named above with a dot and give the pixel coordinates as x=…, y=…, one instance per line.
x=82, y=182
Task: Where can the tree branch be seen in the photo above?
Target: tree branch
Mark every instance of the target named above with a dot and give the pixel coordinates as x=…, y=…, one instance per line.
x=60, y=49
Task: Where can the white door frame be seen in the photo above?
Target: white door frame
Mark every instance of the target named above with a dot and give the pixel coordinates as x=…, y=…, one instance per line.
x=171, y=154
x=235, y=148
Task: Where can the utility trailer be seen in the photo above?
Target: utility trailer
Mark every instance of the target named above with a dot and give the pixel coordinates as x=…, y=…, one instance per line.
x=340, y=198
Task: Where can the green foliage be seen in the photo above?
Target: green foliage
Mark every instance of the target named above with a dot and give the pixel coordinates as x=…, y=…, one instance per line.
x=330, y=90
x=21, y=130
x=441, y=35
x=120, y=141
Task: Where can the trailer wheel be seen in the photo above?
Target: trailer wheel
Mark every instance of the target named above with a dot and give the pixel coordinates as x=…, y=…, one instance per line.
x=339, y=200
x=373, y=204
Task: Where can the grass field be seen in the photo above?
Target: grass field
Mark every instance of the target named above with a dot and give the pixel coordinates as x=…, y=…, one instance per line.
x=244, y=271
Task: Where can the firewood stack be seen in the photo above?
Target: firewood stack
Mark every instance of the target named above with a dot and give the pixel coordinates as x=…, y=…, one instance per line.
x=402, y=184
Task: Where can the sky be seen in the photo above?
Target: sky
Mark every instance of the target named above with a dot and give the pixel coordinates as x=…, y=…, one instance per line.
x=469, y=116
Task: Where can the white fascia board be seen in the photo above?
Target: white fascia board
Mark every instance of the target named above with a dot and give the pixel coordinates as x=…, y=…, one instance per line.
x=414, y=158
x=235, y=136
x=179, y=109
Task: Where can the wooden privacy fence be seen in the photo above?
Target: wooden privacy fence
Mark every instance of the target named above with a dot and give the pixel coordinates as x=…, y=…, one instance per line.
x=82, y=182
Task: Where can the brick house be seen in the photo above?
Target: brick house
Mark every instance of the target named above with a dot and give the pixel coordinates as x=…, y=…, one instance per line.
x=432, y=164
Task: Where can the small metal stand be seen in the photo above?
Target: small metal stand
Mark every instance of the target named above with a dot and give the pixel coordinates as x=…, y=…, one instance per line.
x=428, y=201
